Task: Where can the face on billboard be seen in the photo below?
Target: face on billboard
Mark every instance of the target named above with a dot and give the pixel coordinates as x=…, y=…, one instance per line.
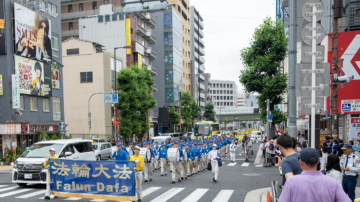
x=32, y=34
x=34, y=77
x=2, y=28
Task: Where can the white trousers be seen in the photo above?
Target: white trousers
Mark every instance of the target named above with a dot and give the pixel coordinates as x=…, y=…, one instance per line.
x=153, y=164
x=48, y=191
x=176, y=168
x=232, y=156
x=148, y=171
x=156, y=163
x=196, y=162
x=215, y=168
x=185, y=169
x=139, y=177
x=163, y=165
x=227, y=148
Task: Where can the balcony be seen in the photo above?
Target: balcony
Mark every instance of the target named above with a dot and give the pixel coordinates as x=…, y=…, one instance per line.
x=202, y=44
x=196, y=55
x=202, y=78
x=201, y=34
x=141, y=31
x=202, y=69
x=201, y=51
x=201, y=24
x=202, y=60
x=202, y=95
x=70, y=33
x=152, y=69
x=196, y=36
x=150, y=38
x=154, y=87
x=151, y=54
x=79, y=14
x=196, y=27
x=354, y=15
x=146, y=17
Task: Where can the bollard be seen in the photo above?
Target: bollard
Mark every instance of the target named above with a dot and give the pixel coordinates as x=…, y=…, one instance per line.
x=268, y=197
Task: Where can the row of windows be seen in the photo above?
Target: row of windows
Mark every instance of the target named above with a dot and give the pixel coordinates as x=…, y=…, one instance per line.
x=51, y=9
x=81, y=6
x=220, y=85
x=221, y=91
x=46, y=106
x=224, y=97
x=224, y=104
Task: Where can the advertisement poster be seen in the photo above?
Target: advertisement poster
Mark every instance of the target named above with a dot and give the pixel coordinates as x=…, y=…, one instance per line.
x=34, y=77
x=355, y=129
x=350, y=105
x=128, y=35
x=32, y=34
x=1, y=85
x=15, y=91
x=2, y=28
x=55, y=76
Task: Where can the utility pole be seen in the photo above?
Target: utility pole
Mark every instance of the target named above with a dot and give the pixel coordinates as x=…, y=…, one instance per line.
x=292, y=129
x=267, y=118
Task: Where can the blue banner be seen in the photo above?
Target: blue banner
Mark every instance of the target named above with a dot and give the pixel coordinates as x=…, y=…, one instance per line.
x=108, y=180
x=278, y=9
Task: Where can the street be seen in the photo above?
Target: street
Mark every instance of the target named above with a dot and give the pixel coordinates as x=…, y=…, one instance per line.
x=234, y=182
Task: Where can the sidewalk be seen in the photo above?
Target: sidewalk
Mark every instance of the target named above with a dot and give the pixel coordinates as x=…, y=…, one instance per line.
x=5, y=167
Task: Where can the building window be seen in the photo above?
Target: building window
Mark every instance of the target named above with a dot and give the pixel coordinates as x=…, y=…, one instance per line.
x=230, y=85
x=81, y=6
x=55, y=44
x=100, y=18
x=52, y=10
x=46, y=105
x=70, y=8
x=42, y=4
x=107, y=18
x=74, y=51
x=94, y=5
x=71, y=26
x=21, y=102
x=86, y=77
x=33, y=104
x=56, y=109
x=131, y=30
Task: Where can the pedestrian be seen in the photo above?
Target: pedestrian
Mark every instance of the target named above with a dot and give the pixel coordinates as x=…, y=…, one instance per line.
x=290, y=166
x=270, y=152
x=162, y=158
x=335, y=147
x=196, y=159
x=232, y=151
x=263, y=148
x=333, y=168
x=303, y=187
x=185, y=162
x=349, y=165
x=340, y=152
x=120, y=154
x=328, y=144
x=109, y=140
x=46, y=165
x=153, y=155
x=176, y=165
x=139, y=160
x=148, y=159
x=301, y=139
x=356, y=148
x=113, y=142
x=248, y=148
x=213, y=156
x=323, y=158
x=157, y=150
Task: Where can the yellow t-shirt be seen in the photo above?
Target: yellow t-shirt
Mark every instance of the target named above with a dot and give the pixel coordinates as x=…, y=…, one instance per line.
x=141, y=162
x=47, y=159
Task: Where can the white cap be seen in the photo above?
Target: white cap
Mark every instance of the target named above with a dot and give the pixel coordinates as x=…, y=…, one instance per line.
x=137, y=147
x=214, y=145
x=52, y=149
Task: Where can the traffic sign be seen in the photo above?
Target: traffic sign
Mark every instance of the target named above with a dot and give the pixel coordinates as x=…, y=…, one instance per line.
x=326, y=114
x=306, y=54
x=307, y=33
x=270, y=116
x=108, y=99
x=115, y=98
x=304, y=79
x=306, y=105
x=307, y=10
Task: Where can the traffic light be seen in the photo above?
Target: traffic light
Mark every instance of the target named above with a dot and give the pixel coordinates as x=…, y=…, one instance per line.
x=62, y=126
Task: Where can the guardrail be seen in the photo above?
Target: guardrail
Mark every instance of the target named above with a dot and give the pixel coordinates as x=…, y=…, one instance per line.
x=275, y=191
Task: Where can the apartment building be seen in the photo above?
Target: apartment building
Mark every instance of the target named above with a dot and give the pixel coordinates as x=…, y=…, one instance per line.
x=225, y=93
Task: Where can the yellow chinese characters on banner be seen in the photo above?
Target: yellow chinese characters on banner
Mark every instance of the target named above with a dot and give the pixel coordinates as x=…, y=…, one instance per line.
x=139, y=60
x=1, y=85
x=128, y=36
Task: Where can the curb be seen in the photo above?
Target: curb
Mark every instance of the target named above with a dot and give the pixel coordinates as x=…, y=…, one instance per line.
x=257, y=195
x=6, y=167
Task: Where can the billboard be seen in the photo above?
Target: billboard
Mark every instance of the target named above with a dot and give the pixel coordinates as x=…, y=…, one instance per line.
x=2, y=28
x=128, y=35
x=55, y=77
x=32, y=34
x=34, y=77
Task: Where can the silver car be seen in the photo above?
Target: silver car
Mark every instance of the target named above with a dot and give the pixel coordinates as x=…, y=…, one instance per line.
x=102, y=150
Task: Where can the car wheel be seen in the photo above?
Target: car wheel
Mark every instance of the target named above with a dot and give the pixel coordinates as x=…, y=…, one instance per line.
x=22, y=184
x=98, y=158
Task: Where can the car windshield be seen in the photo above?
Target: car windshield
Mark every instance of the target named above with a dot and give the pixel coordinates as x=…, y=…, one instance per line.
x=41, y=150
x=95, y=147
x=159, y=140
x=202, y=129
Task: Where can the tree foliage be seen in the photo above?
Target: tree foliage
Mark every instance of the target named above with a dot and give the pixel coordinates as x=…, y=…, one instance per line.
x=189, y=109
x=209, y=111
x=261, y=60
x=134, y=85
x=174, y=116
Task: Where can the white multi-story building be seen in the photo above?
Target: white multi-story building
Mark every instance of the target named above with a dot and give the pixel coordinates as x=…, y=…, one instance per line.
x=225, y=93
x=245, y=99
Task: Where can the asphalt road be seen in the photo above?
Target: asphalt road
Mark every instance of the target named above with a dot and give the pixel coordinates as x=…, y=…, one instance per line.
x=234, y=182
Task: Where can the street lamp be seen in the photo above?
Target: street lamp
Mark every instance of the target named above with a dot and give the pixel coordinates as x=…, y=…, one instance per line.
x=115, y=108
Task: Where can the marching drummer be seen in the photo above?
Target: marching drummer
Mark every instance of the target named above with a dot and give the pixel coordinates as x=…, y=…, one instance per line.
x=185, y=162
x=162, y=158
x=139, y=160
x=214, y=155
x=148, y=159
x=120, y=154
x=175, y=164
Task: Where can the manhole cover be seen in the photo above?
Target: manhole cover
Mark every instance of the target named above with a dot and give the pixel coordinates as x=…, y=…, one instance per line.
x=252, y=174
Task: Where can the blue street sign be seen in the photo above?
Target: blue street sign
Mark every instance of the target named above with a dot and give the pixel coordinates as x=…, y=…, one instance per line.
x=107, y=99
x=278, y=9
x=326, y=114
x=115, y=98
x=340, y=72
x=270, y=117
x=275, y=107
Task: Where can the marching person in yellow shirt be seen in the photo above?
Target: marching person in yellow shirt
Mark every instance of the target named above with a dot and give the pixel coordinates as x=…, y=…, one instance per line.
x=139, y=160
x=46, y=165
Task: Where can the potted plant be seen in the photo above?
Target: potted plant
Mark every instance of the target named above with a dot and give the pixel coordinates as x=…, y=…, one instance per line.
x=9, y=156
x=43, y=136
x=19, y=152
x=2, y=161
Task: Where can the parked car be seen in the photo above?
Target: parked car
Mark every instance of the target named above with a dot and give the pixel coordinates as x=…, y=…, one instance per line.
x=174, y=136
x=187, y=135
x=102, y=150
x=160, y=139
x=29, y=169
x=256, y=136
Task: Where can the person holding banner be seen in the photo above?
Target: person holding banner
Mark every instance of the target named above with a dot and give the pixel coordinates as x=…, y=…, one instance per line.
x=46, y=165
x=120, y=154
x=162, y=158
x=139, y=160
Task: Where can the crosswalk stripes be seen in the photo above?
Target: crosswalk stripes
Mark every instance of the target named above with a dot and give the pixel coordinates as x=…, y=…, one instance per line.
x=72, y=199
x=167, y=195
x=232, y=164
x=149, y=191
x=3, y=186
x=195, y=195
x=245, y=164
x=42, y=192
x=13, y=192
x=223, y=195
x=8, y=188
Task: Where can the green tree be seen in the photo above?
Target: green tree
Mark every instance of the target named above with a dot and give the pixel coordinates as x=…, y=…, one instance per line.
x=209, y=111
x=262, y=74
x=174, y=117
x=134, y=84
x=195, y=109
x=186, y=110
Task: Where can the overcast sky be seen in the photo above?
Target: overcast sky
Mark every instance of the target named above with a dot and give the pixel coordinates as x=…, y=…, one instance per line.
x=228, y=27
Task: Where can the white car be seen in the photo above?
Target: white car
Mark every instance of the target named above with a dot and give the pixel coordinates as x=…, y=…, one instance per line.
x=29, y=167
x=102, y=150
x=256, y=136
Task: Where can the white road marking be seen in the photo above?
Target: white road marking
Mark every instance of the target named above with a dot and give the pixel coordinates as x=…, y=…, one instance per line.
x=8, y=188
x=3, y=185
x=72, y=199
x=259, y=166
x=98, y=200
x=195, y=195
x=167, y=195
x=14, y=192
x=223, y=196
x=231, y=164
x=245, y=164
x=149, y=191
x=32, y=194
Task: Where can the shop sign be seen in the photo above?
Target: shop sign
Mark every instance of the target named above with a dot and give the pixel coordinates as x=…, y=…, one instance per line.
x=10, y=128
x=36, y=128
x=25, y=128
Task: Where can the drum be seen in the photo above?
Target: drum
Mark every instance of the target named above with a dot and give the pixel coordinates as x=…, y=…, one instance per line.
x=143, y=152
x=173, y=154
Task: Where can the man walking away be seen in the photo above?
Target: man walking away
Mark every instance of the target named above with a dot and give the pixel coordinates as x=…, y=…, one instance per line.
x=232, y=151
x=303, y=187
x=263, y=148
x=290, y=166
x=349, y=165
x=328, y=144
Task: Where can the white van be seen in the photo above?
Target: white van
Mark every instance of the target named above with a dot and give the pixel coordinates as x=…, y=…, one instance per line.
x=256, y=136
x=29, y=167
